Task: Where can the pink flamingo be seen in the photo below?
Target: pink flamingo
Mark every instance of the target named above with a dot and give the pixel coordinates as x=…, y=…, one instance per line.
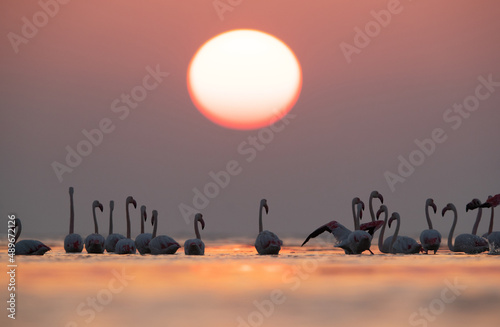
x=73, y=243
x=358, y=241
x=126, y=245
x=142, y=240
x=162, y=244
x=402, y=244
x=468, y=243
x=267, y=242
x=113, y=238
x=27, y=247
x=195, y=246
x=94, y=243
x=430, y=238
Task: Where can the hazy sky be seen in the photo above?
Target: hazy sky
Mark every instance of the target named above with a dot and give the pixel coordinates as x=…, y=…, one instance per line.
x=365, y=101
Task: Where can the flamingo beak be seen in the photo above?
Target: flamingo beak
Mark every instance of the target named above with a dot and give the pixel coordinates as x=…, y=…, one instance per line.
x=444, y=210
x=100, y=207
x=362, y=205
x=202, y=223
x=267, y=208
x=390, y=220
x=434, y=207
x=134, y=203
x=381, y=198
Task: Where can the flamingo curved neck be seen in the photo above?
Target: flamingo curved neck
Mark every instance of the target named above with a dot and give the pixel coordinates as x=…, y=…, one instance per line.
x=19, y=229
x=452, y=230
x=370, y=205
x=155, y=226
x=71, y=214
x=478, y=219
x=260, y=218
x=396, y=232
x=490, y=228
x=142, y=222
x=429, y=222
x=196, y=230
x=110, y=221
x=355, y=216
x=128, y=220
x=381, y=237
x=95, y=221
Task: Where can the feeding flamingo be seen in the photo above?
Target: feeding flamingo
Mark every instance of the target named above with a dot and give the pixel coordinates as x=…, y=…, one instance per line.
x=94, y=243
x=126, y=245
x=27, y=247
x=73, y=243
x=142, y=240
x=372, y=226
x=162, y=244
x=195, y=246
x=113, y=238
x=468, y=243
x=267, y=242
x=402, y=244
x=357, y=241
x=430, y=238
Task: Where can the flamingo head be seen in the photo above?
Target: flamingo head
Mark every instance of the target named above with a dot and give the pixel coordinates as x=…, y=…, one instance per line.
x=430, y=203
x=474, y=204
x=394, y=216
x=111, y=204
x=383, y=208
x=376, y=194
x=199, y=217
x=449, y=206
x=97, y=204
x=263, y=203
x=71, y=190
x=144, y=214
x=130, y=199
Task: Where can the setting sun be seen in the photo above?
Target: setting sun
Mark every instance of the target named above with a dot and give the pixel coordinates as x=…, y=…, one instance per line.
x=244, y=79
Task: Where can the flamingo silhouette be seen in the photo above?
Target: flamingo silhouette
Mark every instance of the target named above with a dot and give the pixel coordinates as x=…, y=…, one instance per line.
x=195, y=246
x=73, y=243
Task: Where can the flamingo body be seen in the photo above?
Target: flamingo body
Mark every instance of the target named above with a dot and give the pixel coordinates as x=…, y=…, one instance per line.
x=111, y=240
x=494, y=242
x=406, y=245
x=356, y=243
x=142, y=242
x=31, y=247
x=194, y=246
x=73, y=243
x=430, y=240
x=125, y=246
x=470, y=244
x=163, y=244
x=268, y=243
x=94, y=243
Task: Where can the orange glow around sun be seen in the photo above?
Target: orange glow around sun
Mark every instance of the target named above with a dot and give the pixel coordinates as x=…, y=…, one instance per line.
x=244, y=79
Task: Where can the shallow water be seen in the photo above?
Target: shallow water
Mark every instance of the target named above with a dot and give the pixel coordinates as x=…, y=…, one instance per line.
x=231, y=285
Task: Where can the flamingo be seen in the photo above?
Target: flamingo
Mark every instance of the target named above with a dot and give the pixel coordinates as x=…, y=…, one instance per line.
x=372, y=226
x=195, y=246
x=358, y=241
x=94, y=243
x=402, y=244
x=267, y=242
x=430, y=238
x=142, y=240
x=162, y=244
x=28, y=247
x=73, y=243
x=475, y=204
x=492, y=237
x=126, y=245
x=385, y=246
x=468, y=243
x=113, y=238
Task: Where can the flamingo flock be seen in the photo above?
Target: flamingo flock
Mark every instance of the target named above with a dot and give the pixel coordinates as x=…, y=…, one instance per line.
x=356, y=241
